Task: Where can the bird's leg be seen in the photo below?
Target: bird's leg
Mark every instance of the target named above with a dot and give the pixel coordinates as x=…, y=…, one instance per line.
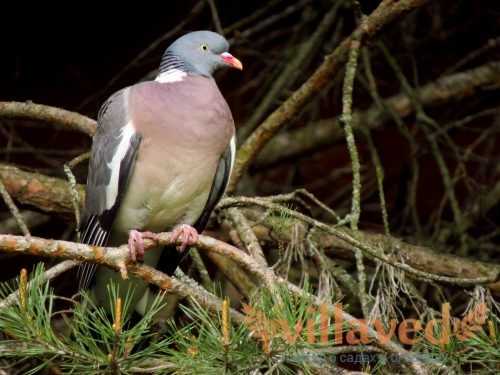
x=187, y=234
x=136, y=243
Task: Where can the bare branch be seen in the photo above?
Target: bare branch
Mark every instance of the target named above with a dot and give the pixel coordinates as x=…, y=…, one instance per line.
x=49, y=194
x=117, y=259
x=247, y=235
x=386, y=12
x=13, y=209
x=45, y=113
x=326, y=132
x=356, y=240
x=215, y=17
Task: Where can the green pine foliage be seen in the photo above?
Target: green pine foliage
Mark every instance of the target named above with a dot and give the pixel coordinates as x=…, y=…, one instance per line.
x=476, y=352
x=199, y=342
x=91, y=343
x=282, y=334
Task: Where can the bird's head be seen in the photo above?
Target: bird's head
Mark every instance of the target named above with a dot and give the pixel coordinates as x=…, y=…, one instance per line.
x=201, y=52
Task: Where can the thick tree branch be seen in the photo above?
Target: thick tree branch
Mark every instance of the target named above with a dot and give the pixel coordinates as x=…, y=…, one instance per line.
x=45, y=113
x=49, y=194
x=118, y=259
x=419, y=257
x=326, y=132
x=385, y=13
x=374, y=250
x=53, y=195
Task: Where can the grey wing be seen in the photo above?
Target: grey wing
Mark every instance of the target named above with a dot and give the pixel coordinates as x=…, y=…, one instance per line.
x=170, y=257
x=111, y=163
x=219, y=185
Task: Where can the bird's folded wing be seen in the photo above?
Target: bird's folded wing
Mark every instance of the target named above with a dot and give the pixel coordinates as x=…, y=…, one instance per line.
x=170, y=258
x=113, y=154
x=219, y=185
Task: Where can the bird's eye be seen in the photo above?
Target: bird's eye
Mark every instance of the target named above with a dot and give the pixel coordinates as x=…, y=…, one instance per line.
x=204, y=47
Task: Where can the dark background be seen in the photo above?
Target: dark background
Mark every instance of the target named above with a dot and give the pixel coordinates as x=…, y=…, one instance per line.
x=65, y=56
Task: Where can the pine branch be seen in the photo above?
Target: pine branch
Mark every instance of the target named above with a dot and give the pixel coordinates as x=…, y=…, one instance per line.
x=118, y=259
x=488, y=274
x=53, y=195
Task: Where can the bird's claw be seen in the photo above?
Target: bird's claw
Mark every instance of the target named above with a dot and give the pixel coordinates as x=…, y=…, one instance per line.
x=136, y=243
x=187, y=234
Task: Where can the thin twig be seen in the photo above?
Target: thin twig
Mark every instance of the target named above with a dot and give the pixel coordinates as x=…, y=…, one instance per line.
x=13, y=209
x=50, y=274
x=75, y=197
x=379, y=170
x=351, y=145
x=215, y=17
x=490, y=44
x=443, y=168
x=200, y=266
x=14, y=138
x=356, y=175
x=355, y=239
x=31, y=218
x=268, y=21
x=247, y=235
x=252, y=17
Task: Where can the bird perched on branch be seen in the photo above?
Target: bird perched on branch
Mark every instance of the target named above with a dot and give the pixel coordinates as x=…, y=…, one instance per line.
x=161, y=159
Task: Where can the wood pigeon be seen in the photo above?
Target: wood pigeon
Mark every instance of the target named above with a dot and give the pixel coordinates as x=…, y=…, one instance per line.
x=161, y=159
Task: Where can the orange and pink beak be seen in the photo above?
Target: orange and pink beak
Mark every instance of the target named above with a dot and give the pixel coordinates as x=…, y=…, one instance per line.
x=231, y=61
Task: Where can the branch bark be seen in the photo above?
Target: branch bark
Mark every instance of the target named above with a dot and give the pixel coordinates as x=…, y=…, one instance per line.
x=118, y=259
x=53, y=195
x=49, y=194
x=45, y=113
x=328, y=131
x=385, y=13
x=373, y=249
x=419, y=257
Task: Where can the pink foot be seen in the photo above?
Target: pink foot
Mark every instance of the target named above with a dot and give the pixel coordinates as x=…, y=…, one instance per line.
x=187, y=234
x=136, y=243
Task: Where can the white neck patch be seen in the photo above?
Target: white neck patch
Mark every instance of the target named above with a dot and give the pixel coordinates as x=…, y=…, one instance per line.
x=171, y=75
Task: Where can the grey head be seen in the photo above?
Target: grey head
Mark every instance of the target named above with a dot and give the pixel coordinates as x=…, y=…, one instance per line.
x=199, y=52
